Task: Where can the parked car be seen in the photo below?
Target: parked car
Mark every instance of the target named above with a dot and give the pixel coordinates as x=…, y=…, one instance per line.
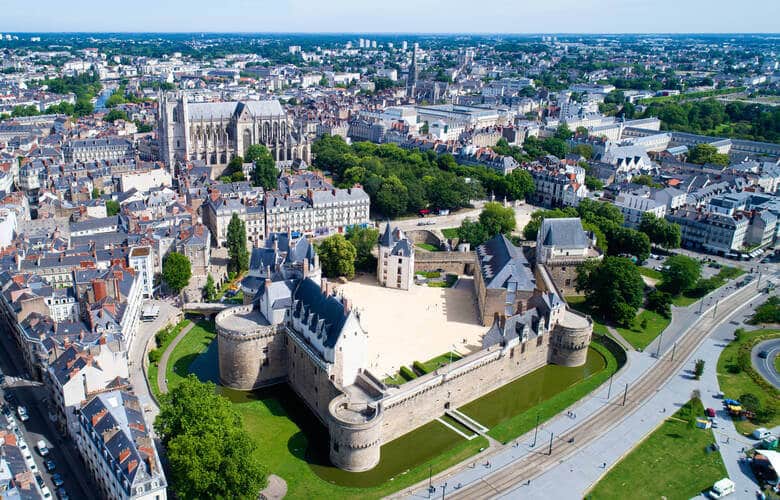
x=710, y=412
x=39, y=480
x=57, y=480
x=714, y=422
x=50, y=465
x=761, y=433
x=722, y=488
x=62, y=494
x=45, y=492
x=42, y=448
x=6, y=410
x=10, y=398
x=22, y=412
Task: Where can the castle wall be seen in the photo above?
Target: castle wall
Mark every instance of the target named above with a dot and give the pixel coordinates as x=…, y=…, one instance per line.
x=569, y=346
x=355, y=434
x=423, y=399
x=309, y=378
x=451, y=262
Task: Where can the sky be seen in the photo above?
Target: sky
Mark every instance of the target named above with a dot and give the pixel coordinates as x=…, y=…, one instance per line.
x=394, y=16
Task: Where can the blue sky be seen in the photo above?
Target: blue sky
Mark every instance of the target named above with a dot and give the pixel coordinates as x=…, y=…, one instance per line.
x=397, y=16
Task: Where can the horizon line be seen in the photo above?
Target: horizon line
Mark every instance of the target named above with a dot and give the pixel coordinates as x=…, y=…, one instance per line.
x=385, y=33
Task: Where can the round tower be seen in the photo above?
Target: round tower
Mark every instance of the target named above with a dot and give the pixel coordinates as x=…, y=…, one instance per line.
x=570, y=339
x=355, y=434
x=251, y=353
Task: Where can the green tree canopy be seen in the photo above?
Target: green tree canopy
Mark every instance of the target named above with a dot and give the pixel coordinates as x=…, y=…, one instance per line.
x=112, y=207
x=392, y=197
x=496, y=218
x=660, y=231
x=532, y=228
x=209, y=453
x=519, y=184
x=235, y=165
x=209, y=289
x=472, y=232
x=176, y=271
x=613, y=288
x=236, y=243
x=364, y=240
x=337, y=257
x=264, y=173
x=680, y=274
x=706, y=153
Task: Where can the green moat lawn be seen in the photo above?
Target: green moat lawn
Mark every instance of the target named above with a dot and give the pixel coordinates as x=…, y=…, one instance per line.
x=293, y=444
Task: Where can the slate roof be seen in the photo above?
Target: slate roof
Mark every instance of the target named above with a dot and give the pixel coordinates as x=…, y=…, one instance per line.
x=564, y=233
x=225, y=110
x=501, y=263
x=309, y=299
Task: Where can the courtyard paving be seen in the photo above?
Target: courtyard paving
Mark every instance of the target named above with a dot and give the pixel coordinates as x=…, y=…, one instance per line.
x=417, y=324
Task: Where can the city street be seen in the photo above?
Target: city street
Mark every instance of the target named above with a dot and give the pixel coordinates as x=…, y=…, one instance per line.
x=32, y=395
x=765, y=364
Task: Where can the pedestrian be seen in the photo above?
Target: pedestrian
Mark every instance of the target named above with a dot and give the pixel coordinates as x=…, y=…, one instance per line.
x=604, y=465
x=727, y=440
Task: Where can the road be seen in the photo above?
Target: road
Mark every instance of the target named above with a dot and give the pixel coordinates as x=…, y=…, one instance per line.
x=522, y=216
x=145, y=334
x=766, y=365
x=63, y=451
x=609, y=414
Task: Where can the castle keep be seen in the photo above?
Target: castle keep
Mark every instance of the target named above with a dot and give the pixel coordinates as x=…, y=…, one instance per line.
x=294, y=329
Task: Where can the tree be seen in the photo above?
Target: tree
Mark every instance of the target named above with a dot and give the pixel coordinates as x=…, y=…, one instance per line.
x=519, y=184
x=593, y=183
x=660, y=302
x=265, y=172
x=177, y=271
x=680, y=274
x=613, y=288
x=392, y=197
x=114, y=115
x=95, y=193
x=209, y=289
x=699, y=368
x=563, y=132
x=472, y=232
x=646, y=180
x=660, y=231
x=496, y=218
x=584, y=150
x=582, y=132
x=625, y=241
x=112, y=207
x=750, y=402
x=337, y=257
x=209, y=453
x=555, y=146
x=235, y=165
x=706, y=153
x=236, y=243
x=364, y=239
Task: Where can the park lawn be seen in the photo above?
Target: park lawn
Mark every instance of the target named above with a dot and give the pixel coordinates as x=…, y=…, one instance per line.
x=683, y=300
x=450, y=232
x=670, y=463
x=650, y=273
x=282, y=447
x=151, y=371
x=733, y=385
x=440, y=360
x=641, y=338
x=427, y=246
x=777, y=364
x=545, y=392
x=185, y=352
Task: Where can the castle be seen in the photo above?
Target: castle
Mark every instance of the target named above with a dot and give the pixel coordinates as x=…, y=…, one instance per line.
x=293, y=328
x=217, y=132
x=395, y=264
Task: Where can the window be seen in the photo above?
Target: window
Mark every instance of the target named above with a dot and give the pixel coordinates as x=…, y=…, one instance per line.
x=539, y=340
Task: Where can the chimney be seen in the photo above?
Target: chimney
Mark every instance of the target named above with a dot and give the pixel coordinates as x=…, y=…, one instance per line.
x=324, y=286
x=305, y=267
x=347, y=305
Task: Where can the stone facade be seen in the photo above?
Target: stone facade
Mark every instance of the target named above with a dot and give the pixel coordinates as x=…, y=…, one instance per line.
x=218, y=132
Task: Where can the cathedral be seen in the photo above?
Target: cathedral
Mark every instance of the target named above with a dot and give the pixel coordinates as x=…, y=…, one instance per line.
x=216, y=132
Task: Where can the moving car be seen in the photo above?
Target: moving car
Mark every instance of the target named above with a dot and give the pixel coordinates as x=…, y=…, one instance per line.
x=22, y=412
x=763, y=354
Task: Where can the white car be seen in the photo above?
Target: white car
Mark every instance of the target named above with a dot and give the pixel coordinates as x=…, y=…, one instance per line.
x=45, y=492
x=22, y=412
x=42, y=448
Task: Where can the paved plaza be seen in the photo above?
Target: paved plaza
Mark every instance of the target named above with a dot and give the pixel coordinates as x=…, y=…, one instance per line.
x=404, y=326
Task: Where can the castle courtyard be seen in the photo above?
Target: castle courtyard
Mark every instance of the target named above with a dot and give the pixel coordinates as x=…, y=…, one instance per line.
x=418, y=324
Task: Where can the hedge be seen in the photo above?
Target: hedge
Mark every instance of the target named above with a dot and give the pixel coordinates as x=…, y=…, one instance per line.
x=406, y=373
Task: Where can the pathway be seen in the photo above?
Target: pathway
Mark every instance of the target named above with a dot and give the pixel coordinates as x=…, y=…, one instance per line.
x=625, y=344
x=162, y=380
x=601, y=410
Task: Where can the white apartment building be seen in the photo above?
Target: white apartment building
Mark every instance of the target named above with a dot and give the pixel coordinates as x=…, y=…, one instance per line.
x=633, y=206
x=142, y=260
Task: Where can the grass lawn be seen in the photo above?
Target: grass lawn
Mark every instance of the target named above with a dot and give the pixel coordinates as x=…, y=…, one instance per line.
x=735, y=382
x=164, y=338
x=683, y=300
x=650, y=273
x=641, y=337
x=670, y=463
x=450, y=232
x=511, y=410
x=777, y=364
x=449, y=281
x=440, y=360
x=427, y=246
x=185, y=352
x=283, y=446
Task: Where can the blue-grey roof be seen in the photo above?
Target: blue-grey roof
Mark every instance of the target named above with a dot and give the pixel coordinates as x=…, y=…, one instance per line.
x=564, y=233
x=502, y=263
x=308, y=298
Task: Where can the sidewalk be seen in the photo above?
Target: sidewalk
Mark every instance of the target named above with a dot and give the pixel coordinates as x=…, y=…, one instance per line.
x=583, y=469
x=162, y=381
